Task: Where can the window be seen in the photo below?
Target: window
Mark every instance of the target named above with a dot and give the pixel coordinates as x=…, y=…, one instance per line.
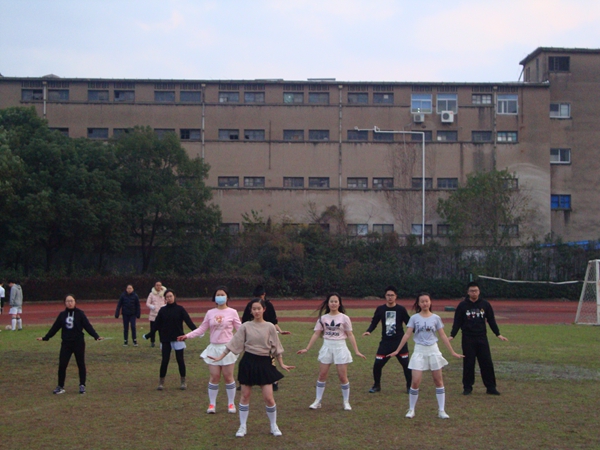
x=164, y=96
x=420, y=103
x=357, y=229
x=417, y=183
x=254, y=97
x=58, y=95
x=417, y=228
x=383, y=98
x=229, y=181
x=481, y=99
x=318, y=182
x=383, y=228
x=63, y=131
x=560, y=110
x=383, y=183
x=190, y=134
x=230, y=228
x=481, y=136
x=355, y=98
x=509, y=230
x=190, y=97
x=229, y=97
x=560, y=202
x=318, y=135
x=507, y=136
x=507, y=103
x=447, y=183
x=97, y=133
x=97, y=96
x=124, y=96
x=293, y=97
x=318, y=97
x=560, y=156
x=161, y=132
x=447, y=102
x=419, y=138
x=357, y=183
x=293, y=135
x=383, y=137
x=443, y=229
x=229, y=135
x=293, y=182
x=512, y=184
x=117, y=132
x=28, y=95
x=447, y=136
x=559, y=63
x=254, y=135
x=358, y=135
x=254, y=182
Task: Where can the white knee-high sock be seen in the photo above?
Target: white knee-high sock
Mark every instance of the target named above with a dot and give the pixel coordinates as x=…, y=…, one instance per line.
x=13, y=324
x=346, y=391
x=244, y=411
x=20, y=323
x=213, y=391
x=440, y=394
x=272, y=414
x=412, y=398
x=320, y=389
x=230, y=389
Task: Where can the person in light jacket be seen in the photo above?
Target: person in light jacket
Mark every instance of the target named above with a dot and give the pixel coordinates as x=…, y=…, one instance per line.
x=156, y=300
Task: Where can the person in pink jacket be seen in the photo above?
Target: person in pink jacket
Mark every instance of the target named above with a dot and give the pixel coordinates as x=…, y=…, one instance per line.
x=221, y=321
x=156, y=300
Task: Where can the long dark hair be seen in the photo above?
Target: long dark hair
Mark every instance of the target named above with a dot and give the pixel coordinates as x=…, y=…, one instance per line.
x=416, y=306
x=324, y=307
x=221, y=288
x=256, y=300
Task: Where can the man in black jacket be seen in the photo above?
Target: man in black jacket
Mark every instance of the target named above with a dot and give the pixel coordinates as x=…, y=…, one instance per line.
x=470, y=317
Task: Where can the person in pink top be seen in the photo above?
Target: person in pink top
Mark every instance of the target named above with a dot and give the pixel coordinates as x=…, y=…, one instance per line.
x=156, y=300
x=335, y=326
x=221, y=321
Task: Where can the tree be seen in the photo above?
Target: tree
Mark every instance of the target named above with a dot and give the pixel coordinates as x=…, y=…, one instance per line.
x=166, y=197
x=487, y=210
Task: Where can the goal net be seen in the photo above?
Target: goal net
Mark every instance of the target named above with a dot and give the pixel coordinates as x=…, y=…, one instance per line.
x=588, y=310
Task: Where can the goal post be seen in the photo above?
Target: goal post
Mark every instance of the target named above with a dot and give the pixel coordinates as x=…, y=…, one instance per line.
x=588, y=310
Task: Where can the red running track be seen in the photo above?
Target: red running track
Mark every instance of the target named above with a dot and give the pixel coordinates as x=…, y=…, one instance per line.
x=507, y=311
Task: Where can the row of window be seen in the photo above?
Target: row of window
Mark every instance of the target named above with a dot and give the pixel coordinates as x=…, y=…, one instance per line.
x=351, y=182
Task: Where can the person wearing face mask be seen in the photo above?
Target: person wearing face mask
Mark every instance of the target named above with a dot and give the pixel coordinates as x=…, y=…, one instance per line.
x=221, y=321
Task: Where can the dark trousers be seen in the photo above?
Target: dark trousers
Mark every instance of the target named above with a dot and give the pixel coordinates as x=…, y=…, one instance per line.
x=152, y=333
x=382, y=360
x=127, y=321
x=66, y=350
x=477, y=348
x=166, y=356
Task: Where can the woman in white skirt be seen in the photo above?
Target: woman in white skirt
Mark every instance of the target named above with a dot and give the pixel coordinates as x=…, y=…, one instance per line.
x=335, y=326
x=221, y=321
x=426, y=354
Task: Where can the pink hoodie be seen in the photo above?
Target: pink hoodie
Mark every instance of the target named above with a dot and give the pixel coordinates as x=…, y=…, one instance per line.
x=221, y=323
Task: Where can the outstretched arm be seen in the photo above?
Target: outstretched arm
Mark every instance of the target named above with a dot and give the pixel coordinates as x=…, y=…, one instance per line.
x=313, y=338
x=446, y=342
x=352, y=340
x=407, y=335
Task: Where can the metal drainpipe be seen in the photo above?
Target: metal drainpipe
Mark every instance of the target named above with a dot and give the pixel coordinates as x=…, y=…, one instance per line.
x=340, y=115
x=45, y=96
x=203, y=93
x=495, y=127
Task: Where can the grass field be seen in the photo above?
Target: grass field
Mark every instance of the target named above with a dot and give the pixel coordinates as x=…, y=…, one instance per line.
x=549, y=376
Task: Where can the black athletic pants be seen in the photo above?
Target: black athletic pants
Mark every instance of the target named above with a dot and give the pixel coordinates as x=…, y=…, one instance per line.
x=152, y=333
x=381, y=360
x=166, y=356
x=66, y=350
x=129, y=320
x=477, y=348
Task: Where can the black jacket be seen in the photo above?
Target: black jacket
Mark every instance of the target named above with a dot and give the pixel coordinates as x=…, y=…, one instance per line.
x=169, y=322
x=269, y=315
x=470, y=317
x=130, y=303
x=72, y=322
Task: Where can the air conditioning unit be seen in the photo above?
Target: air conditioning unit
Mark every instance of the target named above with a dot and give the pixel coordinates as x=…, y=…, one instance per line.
x=418, y=118
x=447, y=116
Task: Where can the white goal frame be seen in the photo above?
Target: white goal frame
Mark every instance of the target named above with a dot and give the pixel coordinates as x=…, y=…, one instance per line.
x=588, y=310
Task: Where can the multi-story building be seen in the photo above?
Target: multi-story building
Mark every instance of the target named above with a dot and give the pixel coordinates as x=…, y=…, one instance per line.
x=290, y=149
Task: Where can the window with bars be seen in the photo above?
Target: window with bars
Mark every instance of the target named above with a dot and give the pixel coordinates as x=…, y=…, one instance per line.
x=358, y=135
x=447, y=183
x=254, y=97
x=293, y=135
x=229, y=135
x=318, y=182
x=293, y=182
x=28, y=95
x=229, y=182
x=190, y=96
x=417, y=183
x=318, y=97
x=481, y=136
x=383, y=183
x=97, y=85
x=124, y=96
x=229, y=97
x=256, y=182
x=357, y=98
x=357, y=182
x=559, y=63
x=164, y=96
x=98, y=96
x=188, y=134
x=318, y=135
x=254, y=135
x=58, y=95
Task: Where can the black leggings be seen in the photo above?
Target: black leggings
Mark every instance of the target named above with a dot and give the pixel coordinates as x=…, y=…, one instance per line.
x=152, y=333
x=382, y=361
x=66, y=350
x=166, y=356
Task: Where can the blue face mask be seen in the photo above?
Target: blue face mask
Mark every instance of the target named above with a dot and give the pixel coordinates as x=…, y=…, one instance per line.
x=221, y=299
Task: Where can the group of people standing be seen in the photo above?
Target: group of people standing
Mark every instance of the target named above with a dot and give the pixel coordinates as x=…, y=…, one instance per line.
x=256, y=335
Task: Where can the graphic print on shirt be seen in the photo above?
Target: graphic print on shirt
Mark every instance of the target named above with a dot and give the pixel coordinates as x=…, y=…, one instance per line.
x=69, y=320
x=475, y=314
x=390, y=323
x=332, y=329
x=420, y=327
x=219, y=319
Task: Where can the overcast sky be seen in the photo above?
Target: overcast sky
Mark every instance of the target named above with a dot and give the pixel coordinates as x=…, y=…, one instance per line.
x=350, y=40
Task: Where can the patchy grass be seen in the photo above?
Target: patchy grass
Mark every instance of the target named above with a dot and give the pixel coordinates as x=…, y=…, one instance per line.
x=548, y=376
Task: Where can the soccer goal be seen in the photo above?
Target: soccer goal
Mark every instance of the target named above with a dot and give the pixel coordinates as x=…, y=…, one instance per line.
x=588, y=311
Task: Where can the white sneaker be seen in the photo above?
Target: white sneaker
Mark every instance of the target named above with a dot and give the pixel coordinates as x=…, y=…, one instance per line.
x=231, y=409
x=241, y=432
x=275, y=430
x=211, y=409
x=442, y=414
x=347, y=406
x=315, y=405
x=410, y=414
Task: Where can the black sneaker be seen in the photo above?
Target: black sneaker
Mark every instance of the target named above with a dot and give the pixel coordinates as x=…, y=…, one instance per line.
x=493, y=391
x=145, y=337
x=134, y=343
x=82, y=388
x=467, y=391
x=58, y=390
x=375, y=388
x=124, y=343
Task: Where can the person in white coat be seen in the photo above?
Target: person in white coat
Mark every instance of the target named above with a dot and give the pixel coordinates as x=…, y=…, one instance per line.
x=156, y=300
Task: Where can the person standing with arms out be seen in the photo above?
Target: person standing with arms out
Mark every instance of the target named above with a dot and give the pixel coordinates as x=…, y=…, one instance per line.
x=156, y=300
x=470, y=317
x=258, y=340
x=72, y=321
x=391, y=315
x=129, y=303
x=221, y=322
x=16, y=305
x=2, y=295
x=270, y=316
x=426, y=355
x=335, y=326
